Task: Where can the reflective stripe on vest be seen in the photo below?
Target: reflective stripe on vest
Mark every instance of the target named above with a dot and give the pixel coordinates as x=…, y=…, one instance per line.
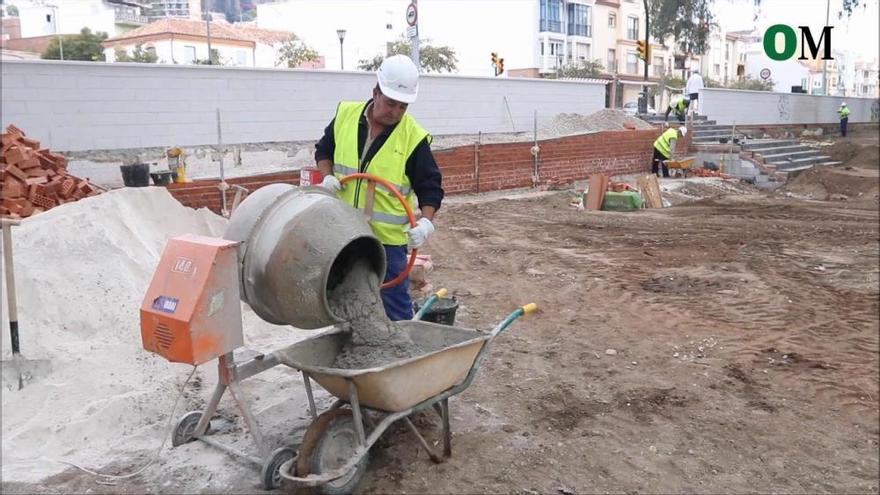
x=388, y=220
x=663, y=144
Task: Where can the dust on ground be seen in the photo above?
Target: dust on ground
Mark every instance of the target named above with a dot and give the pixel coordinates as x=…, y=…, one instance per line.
x=727, y=344
x=856, y=178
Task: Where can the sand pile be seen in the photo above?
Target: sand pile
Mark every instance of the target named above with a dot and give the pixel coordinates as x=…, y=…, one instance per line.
x=606, y=119
x=82, y=270
x=374, y=340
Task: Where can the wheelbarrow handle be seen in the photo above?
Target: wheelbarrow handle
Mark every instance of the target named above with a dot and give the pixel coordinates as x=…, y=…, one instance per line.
x=440, y=294
x=512, y=317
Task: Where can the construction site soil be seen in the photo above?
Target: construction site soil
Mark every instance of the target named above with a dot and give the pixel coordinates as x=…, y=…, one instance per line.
x=727, y=344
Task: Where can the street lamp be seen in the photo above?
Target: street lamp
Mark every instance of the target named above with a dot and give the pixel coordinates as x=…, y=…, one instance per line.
x=341, y=34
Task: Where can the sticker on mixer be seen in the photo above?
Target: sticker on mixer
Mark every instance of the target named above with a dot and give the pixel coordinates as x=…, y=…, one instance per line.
x=165, y=304
x=216, y=303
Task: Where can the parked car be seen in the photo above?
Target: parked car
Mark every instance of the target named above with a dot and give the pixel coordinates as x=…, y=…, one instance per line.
x=632, y=108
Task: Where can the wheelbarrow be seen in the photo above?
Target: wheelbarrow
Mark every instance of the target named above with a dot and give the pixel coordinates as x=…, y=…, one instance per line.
x=334, y=452
x=682, y=166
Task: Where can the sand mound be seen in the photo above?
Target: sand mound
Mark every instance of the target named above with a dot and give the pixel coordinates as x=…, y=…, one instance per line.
x=82, y=270
x=604, y=120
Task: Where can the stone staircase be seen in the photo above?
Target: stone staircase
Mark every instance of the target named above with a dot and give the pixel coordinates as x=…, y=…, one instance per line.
x=785, y=155
x=705, y=131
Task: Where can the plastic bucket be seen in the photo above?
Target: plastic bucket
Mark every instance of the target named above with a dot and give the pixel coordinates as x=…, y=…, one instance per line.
x=442, y=312
x=161, y=178
x=310, y=176
x=137, y=175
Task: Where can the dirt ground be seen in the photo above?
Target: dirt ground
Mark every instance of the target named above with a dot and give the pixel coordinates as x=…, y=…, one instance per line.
x=728, y=344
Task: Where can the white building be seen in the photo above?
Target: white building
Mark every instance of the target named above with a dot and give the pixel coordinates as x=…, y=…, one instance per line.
x=184, y=41
x=865, y=79
x=70, y=16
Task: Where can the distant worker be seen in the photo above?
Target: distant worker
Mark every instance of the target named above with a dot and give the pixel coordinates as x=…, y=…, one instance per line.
x=692, y=89
x=664, y=149
x=679, y=105
x=378, y=137
x=843, y=111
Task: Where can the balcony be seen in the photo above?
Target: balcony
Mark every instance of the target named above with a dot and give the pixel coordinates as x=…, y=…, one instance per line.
x=129, y=15
x=551, y=26
x=585, y=30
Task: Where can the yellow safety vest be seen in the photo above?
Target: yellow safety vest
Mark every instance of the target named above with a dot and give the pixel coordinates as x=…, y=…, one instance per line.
x=663, y=144
x=388, y=220
x=844, y=112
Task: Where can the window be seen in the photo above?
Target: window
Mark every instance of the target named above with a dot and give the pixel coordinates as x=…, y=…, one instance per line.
x=582, y=51
x=632, y=28
x=632, y=63
x=717, y=69
x=579, y=20
x=189, y=54
x=726, y=51
x=658, y=66
x=612, y=20
x=551, y=15
x=612, y=61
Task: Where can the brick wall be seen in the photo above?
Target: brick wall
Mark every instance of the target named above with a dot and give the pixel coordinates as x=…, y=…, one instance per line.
x=501, y=166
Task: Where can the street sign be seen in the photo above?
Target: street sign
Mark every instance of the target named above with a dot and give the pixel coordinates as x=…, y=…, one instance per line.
x=412, y=16
x=412, y=31
x=765, y=74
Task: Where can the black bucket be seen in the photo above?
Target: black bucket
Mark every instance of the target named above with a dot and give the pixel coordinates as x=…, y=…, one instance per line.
x=442, y=312
x=161, y=178
x=137, y=175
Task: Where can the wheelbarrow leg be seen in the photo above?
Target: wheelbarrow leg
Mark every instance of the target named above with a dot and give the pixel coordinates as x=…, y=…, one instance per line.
x=447, y=431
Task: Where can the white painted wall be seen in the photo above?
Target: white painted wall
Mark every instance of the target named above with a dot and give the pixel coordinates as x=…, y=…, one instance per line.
x=729, y=106
x=72, y=106
x=176, y=52
x=784, y=73
x=72, y=16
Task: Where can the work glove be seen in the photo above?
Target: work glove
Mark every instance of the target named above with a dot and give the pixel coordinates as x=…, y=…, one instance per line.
x=419, y=234
x=331, y=183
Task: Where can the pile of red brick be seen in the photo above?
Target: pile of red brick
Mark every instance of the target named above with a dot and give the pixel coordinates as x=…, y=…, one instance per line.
x=33, y=179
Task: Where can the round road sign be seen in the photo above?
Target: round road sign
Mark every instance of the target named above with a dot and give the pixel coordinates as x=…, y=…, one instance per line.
x=765, y=73
x=412, y=15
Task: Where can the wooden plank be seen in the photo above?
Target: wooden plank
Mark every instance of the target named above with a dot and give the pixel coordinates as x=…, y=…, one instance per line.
x=650, y=189
x=596, y=193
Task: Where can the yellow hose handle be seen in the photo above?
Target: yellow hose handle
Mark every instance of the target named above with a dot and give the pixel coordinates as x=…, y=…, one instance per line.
x=530, y=308
x=441, y=293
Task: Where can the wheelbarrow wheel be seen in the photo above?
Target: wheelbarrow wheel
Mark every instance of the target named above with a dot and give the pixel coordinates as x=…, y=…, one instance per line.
x=328, y=444
x=270, y=475
x=185, y=430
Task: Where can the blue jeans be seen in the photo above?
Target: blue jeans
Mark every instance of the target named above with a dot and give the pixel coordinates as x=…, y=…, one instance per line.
x=843, y=123
x=398, y=304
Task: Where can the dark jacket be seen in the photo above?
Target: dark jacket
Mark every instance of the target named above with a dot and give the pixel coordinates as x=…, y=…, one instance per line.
x=421, y=169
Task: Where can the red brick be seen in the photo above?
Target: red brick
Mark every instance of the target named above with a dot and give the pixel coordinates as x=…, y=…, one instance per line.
x=16, y=172
x=15, y=155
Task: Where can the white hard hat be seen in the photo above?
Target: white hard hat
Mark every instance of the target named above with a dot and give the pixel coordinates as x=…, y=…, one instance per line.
x=683, y=130
x=843, y=103
x=399, y=78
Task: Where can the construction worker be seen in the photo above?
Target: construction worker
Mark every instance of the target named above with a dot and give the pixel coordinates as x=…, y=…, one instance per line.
x=664, y=149
x=378, y=137
x=844, y=112
x=679, y=105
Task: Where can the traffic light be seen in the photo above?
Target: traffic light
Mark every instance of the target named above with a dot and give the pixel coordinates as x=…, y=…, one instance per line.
x=644, y=50
x=500, y=66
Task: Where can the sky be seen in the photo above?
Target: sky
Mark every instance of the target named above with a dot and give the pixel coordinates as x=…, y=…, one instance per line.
x=859, y=33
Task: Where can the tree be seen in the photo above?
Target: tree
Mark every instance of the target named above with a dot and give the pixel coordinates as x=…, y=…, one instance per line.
x=584, y=69
x=137, y=55
x=11, y=10
x=294, y=52
x=431, y=58
x=83, y=46
x=752, y=84
x=690, y=22
x=214, y=60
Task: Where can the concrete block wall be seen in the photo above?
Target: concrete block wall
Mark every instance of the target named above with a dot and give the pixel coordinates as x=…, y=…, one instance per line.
x=78, y=106
x=501, y=166
x=728, y=106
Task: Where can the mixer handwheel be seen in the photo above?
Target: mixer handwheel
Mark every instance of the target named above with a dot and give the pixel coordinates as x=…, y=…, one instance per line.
x=185, y=430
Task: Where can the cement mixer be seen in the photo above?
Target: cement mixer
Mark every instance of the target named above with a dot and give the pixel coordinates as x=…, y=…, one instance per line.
x=285, y=247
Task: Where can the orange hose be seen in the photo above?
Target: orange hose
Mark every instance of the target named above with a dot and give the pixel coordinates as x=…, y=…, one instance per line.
x=409, y=213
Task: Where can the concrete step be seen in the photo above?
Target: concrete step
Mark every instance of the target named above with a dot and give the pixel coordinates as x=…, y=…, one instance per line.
x=756, y=145
x=775, y=157
x=828, y=164
x=712, y=127
x=778, y=150
x=712, y=132
x=787, y=165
